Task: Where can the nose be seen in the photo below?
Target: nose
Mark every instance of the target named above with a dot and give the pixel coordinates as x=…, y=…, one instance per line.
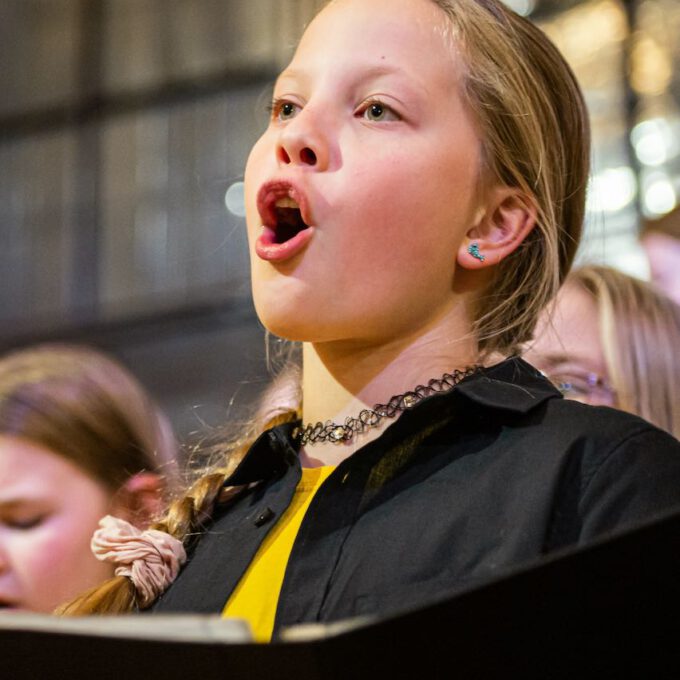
x=303, y=142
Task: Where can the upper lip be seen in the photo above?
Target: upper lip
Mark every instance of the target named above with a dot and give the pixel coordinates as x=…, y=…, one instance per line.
x=271, y=192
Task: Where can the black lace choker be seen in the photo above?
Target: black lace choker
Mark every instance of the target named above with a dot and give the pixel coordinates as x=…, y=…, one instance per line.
x=370, y=418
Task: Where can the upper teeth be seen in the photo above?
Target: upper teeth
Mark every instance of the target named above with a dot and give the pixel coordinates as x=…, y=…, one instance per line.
x=286, y=202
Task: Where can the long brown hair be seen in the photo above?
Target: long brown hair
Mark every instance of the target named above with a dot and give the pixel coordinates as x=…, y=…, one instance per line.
x=535, y=135
x=84, y=406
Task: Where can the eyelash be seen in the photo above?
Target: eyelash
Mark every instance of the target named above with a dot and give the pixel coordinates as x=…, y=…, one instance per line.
x=278, y=103
x=377, y=102
x=25, y=525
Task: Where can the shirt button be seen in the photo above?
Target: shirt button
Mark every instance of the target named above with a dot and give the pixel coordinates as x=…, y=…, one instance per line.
x=264, y=517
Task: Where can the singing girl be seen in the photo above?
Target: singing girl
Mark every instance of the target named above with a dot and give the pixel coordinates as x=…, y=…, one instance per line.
x=415, y=201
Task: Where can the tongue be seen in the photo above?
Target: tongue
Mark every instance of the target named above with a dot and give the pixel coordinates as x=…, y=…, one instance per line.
x=289, y=224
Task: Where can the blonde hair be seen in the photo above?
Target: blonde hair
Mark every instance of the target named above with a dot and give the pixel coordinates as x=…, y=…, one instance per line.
x=536, y=137
x=535, y=131
x=640, y=335
x=86, y=407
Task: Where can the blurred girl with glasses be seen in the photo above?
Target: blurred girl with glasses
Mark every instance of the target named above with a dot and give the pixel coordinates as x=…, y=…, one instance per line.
x=613, y=340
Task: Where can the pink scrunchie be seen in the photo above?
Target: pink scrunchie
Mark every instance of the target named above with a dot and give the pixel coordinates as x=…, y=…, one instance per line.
x=151, y=559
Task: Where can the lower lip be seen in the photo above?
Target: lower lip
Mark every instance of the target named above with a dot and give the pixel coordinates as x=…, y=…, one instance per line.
x=267, y=248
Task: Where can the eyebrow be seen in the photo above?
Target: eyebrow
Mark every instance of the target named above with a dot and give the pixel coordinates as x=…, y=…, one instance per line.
x=560, y=362
x=556, y=359
x=11, y=503
x=370, y=71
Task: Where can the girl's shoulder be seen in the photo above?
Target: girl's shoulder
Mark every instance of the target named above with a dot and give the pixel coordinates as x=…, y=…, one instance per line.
x=606, y=429
x=532, y=421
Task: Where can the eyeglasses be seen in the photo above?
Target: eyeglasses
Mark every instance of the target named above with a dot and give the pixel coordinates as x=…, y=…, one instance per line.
x=587, y=387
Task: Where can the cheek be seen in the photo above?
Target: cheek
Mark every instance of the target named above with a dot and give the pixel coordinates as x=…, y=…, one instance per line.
x=31, y=553
x=56, y=563
x=255, y=174
x=48, y=555
x=46, y=564
x=400, y=218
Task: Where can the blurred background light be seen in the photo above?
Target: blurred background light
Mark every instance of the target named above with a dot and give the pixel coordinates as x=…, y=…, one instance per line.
x=653, y=141
x=234, y=200
x=658, y=194
x=652, y=68
x=612, y=189
x=522, y=7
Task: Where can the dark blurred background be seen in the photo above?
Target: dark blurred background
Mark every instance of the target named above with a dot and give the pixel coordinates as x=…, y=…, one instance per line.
x=124, y=129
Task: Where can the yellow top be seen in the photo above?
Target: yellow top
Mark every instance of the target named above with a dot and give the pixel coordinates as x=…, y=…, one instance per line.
x=256, y=596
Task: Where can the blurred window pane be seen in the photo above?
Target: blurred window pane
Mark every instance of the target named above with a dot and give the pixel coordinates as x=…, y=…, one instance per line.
x=38, y=53
x=36, y=218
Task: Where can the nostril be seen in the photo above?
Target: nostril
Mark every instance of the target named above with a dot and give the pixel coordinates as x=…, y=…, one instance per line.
x=283, y=155
x=307, y=156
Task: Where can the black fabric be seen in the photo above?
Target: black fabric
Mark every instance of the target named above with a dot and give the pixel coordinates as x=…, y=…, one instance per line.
x=458, y=491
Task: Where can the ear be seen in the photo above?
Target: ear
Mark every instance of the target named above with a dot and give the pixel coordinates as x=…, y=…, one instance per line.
x=508, y=216
x=140, y=499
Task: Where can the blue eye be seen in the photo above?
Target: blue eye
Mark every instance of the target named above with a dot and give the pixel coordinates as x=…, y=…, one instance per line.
x=589, y=387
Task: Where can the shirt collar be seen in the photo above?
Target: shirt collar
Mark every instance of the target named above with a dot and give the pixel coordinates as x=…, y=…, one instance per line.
x=513, y=385
x=272, y=453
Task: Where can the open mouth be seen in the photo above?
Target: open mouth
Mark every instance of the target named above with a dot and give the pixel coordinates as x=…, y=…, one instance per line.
x=288, y=220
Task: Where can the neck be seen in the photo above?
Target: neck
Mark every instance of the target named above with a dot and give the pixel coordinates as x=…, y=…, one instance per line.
x=341, y=379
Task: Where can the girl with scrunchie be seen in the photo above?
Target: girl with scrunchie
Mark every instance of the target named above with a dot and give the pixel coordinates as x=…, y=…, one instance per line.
x=79, y=438
x=415, y=201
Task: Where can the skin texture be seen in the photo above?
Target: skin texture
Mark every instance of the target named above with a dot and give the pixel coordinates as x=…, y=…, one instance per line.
x=381, y=292
x=49, y=509
x=568, y=344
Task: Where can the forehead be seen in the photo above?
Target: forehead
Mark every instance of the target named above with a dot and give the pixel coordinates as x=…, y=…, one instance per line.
x=24, y=464
x=412, y=37
x=570, y=331
x=418, y=14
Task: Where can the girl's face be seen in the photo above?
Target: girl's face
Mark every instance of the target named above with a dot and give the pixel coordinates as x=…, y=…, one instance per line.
x=364, y=184
x=568, y=348
x=49, y=509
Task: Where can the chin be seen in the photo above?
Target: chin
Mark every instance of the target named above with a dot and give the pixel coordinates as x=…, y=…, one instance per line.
x=287, y=322
x=298, y=324
x=285, y=308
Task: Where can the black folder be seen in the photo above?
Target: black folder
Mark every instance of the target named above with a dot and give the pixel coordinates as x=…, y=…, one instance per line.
x=607, y=610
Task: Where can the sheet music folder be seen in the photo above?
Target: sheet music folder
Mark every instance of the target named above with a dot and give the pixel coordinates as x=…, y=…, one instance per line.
x=610, y=609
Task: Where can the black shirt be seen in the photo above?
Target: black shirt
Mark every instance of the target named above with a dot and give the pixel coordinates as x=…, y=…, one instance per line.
x=460, y=489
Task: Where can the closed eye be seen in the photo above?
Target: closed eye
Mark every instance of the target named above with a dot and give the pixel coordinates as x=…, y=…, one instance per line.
x=24, y=523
